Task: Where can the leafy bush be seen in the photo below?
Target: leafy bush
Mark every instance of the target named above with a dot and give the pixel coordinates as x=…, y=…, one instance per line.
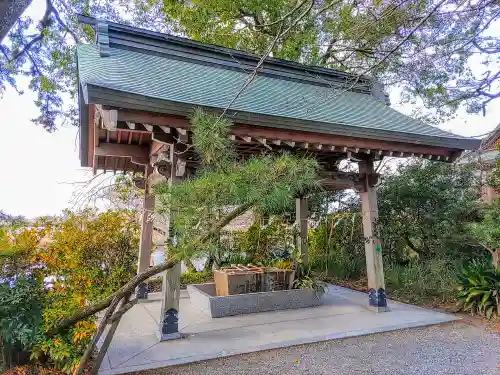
x=20, y=312
x=424, y=209
x=479, y=289
x=81, y=257
x=486, y=232
x=262, y=243
x=432, y=281
x=196, y=278
x=336, y=247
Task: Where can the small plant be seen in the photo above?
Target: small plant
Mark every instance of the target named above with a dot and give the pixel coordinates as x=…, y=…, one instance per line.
x=284, y=264
x=305, y=280
x=479, y=289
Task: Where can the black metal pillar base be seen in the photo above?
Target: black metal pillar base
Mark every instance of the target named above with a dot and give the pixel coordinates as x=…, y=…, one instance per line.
x=142, y=291
x=169, y=325
x=377, y=301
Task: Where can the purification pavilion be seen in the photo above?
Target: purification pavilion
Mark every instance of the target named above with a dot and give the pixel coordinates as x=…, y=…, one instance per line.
x=138, y=87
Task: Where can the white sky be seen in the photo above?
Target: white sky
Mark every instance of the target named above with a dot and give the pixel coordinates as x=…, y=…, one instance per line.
x=38, y=167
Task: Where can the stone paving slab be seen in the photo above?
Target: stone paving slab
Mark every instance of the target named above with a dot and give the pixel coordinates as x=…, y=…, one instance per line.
x=344, y=314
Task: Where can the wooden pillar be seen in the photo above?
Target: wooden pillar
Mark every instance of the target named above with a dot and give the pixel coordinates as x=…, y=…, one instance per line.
x=171, y=287
x=301, y=215
x=146, y=239
x=169, y=329
x=373, y=249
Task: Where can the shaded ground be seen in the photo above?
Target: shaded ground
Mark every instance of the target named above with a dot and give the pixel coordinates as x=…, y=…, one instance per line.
x=453, y=348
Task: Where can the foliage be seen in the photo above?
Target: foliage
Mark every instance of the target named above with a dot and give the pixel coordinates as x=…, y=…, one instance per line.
x=218, y=193
x=336, y=246
x=20, y=312
x=81, y=258
x=425, y=47
x=479, y=289
x=424, y=209
x=430, y=282
x=422, y=46
x=487, y=231
x=7, y=220
x=196, y=277
x=94, y=253
x=17, y=248
x=494, y=177
x=305, y=280
x=264, y=243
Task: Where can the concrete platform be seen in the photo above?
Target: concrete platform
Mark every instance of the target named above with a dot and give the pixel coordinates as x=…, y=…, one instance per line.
x=344, y=314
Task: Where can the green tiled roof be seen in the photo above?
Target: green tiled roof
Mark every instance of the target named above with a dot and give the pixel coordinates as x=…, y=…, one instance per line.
x=182, y=81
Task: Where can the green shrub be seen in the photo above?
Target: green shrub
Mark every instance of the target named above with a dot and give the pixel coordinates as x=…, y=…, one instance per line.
x=336, y=248
x=196, y=278
x=479, y=289
x=259, y=244
x=20, y=312
x=431, y=281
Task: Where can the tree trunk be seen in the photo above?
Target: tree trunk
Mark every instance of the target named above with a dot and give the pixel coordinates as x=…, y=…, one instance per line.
x=10, y=11
x=495, y=258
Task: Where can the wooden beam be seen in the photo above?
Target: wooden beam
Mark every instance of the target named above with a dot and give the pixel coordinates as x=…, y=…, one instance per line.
x=263, y=141
x=289, y=143
x=245, y=130
x=109, y=117
x=246, y=139
x=277, y=142
x=93, y=134
x=138, y=154
x=333, y=140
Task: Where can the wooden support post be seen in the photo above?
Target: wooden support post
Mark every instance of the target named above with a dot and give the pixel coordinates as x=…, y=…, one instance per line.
x=146, y=239
x=373, y=249
x=301, y=214
x=169, y=329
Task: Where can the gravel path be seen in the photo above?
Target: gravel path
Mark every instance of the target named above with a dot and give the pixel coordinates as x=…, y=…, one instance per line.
x=454, y=348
